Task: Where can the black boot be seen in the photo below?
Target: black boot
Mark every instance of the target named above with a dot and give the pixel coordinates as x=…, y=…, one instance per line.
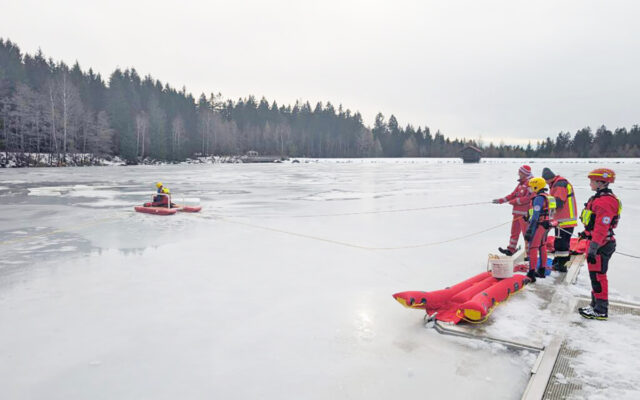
x=541, y=272
x=506, y=251
x=532, y=276
x=560, y=264
x=560, y=268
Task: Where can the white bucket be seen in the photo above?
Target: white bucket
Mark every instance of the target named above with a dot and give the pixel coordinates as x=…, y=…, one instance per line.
x=500, y=266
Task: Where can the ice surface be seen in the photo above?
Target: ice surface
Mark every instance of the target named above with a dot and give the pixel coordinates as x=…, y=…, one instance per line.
x=273, y=290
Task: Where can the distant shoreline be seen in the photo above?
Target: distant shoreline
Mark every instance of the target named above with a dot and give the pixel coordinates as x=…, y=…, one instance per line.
x=16, y=160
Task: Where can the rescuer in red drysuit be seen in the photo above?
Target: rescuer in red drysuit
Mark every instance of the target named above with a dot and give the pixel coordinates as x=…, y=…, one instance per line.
x=163, y=197
x=542, y=206
x=600, y=216
x=564, y=219
x=520, y=199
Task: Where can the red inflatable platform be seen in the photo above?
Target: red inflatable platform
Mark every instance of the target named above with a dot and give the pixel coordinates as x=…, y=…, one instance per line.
x=188, y=208
x=148, y=208
x=471, y=300
x=156, y=210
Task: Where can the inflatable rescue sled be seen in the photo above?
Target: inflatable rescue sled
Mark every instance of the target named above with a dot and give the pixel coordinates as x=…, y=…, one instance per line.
x=471, y=300
x=149, y=208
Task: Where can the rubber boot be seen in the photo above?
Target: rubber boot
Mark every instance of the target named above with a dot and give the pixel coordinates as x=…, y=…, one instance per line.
x=506, y=251
x=532, y=276
x=559, y=264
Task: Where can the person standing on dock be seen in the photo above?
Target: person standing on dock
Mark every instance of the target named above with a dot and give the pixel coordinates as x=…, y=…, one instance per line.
x=600, y=217
x=542, y=207
x=520, y=199
x=565, y=217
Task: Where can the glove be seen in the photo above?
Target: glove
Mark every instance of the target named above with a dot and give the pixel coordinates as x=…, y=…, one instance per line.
x=582, y=235
x=528, y=236
x=545, y=224
x=591, y=254
x=498, y=201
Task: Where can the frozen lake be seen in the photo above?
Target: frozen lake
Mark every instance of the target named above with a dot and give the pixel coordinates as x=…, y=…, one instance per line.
x=279, y=289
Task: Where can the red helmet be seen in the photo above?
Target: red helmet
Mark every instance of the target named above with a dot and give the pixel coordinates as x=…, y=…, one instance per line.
x=603, y=175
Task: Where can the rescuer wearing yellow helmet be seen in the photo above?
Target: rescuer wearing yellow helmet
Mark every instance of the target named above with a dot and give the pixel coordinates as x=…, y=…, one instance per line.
x=542, y=205
x=163, y=197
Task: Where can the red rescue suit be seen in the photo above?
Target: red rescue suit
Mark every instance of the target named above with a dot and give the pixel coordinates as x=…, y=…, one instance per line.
x=565, y=218
x=600, y=217
x=566, y=211
x=539, y=214
x=520, y=199
x=162, y=201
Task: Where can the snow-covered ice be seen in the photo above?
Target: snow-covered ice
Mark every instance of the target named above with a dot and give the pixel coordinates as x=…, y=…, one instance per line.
x=278, y=289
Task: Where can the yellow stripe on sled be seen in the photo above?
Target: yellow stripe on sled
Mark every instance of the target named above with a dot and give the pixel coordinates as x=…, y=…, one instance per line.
x=473, y=315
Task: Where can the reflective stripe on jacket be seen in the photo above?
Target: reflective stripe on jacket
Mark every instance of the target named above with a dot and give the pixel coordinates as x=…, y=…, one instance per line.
x=566, y=210
x=542, y=206
x=601, y=216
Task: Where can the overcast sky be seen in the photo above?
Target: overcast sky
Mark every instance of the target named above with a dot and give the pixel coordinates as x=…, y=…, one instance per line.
x=503, y=70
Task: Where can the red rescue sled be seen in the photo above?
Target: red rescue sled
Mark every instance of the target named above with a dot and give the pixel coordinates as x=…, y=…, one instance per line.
x=149, y=208
x=156, y=210
x=471, y=300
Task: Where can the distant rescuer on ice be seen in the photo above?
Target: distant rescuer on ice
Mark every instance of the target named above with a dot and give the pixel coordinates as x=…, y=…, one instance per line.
x=565, y=217
x=542, y=207
x=162, y=199
x=600, y=217
x=520, y=199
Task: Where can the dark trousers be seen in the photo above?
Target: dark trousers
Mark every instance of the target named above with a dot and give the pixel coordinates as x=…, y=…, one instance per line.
x=562, y=243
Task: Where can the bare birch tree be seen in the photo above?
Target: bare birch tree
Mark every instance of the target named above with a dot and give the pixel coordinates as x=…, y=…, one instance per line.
x=142, y=129
x=177, y=134
x=52, y=121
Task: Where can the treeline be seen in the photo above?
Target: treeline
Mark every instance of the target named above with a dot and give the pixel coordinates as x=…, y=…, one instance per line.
x=71, y=115
x=585, y=143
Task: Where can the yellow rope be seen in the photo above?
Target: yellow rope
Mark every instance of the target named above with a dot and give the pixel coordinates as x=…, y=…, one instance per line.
x=357, y=246
x=397, y=210
x=337, y=242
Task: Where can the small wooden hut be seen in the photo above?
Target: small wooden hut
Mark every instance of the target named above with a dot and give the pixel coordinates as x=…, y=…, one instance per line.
x=471, y=154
